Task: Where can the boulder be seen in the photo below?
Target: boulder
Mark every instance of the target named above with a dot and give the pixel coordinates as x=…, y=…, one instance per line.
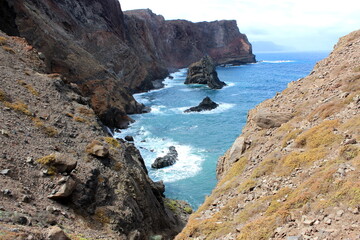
x=129, y=138
x=65, y=190
x=97, y=149
x=268, y=120
x=203, y=72
x=206, y=105
x=169, y=159
x=56, y=233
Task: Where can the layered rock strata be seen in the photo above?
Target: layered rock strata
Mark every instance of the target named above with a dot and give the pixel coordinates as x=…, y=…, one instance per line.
x=294, y=171
x=110, y=55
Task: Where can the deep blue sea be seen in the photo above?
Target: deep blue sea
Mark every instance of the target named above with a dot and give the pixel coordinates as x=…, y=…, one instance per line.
x=201, y=138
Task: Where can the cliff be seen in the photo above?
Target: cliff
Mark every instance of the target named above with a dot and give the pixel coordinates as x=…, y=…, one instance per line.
x=110, y=55
x=180, y=43
x=293, y=173
x=58, y=166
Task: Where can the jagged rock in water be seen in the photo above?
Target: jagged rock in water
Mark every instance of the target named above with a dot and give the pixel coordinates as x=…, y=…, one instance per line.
x=206, y=105
x=203, y=72
x=169, y=159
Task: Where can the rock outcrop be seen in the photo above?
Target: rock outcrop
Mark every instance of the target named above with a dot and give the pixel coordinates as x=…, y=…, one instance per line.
x=110, y=55
x=206, y=105
x=53, y=145
x=169, y=159
x=294, y=171
x=204, y=72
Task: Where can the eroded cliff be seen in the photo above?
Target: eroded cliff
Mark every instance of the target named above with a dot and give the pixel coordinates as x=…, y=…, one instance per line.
x=109, y=55
x=58, y=166
x=294, y=171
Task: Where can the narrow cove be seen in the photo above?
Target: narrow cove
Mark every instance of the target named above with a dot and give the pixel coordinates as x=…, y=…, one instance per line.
x=201, y=138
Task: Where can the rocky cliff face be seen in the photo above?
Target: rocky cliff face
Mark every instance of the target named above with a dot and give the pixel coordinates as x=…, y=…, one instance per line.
x=59, y=167
x=294, y=171
x=109, y=55
x=178, y=43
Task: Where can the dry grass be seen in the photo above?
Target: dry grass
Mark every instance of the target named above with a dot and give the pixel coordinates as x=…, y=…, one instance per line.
x=19, y=107
x=3, y=41
x=85, y=111
x=321, y=135
x=49, y=131
x=326, y=110
x=30, y=88
x=236, y=170
x=8, y=49
x=112, y=141
x=80, y=119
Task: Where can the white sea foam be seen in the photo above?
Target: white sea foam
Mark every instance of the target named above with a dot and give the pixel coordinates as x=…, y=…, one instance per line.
x=229, y=84
x=158, y=109
x=221, y=108
x=189, y=159
x=278, y=61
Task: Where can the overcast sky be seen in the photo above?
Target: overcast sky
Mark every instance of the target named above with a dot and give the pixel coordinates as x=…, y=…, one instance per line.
x=301, y=25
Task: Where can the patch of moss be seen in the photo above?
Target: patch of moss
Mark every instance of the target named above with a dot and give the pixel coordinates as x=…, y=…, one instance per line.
x=30, y=88
x=171, y=204
x=188, y=210
x=8, y=49
x=47, y=160
x=112, y=141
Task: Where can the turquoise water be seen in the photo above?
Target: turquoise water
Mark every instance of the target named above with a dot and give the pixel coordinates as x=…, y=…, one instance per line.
x=201, y=138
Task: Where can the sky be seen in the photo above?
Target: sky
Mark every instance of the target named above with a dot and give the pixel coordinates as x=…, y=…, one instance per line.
x=299, y=25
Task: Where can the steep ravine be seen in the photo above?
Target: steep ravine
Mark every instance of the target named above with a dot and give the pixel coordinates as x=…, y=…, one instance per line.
x=59, y=167
x=293, y=173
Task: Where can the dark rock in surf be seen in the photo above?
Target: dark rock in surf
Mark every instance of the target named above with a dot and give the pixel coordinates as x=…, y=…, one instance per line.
x=206, y=105
x=129, y=138
x=203, y=72
x=169, y=159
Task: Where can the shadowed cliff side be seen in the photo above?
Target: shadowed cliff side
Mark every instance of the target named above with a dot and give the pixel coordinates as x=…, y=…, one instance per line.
x=179, y=43
x=293, y=173
x=59, y=167
x=110, y=56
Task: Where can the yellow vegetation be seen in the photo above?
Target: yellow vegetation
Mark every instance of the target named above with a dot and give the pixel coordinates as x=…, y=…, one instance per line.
x=85, y=111
x=327, y=110
x=8, y=49
x=235, y=170
x=320, y=135
x=19, y=107
x=3, y=41
x=349, y=152
x=30, y=88
x=47, y=160
x=101, y=215
x=112, y=141
x=50, y=131
x=290, y=136
x=80, y=119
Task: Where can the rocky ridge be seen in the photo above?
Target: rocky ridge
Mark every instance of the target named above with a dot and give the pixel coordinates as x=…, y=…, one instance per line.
x=59, y=167
x=111, y=55
x=293, y=173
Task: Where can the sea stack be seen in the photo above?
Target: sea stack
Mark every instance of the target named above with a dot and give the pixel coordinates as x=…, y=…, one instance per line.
x=206, y=105
x=203, y=72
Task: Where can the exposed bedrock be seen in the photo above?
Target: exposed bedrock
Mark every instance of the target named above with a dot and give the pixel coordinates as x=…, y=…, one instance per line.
x=206, y=105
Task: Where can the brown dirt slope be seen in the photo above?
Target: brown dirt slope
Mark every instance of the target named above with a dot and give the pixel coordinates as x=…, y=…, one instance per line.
x=52, y=143
x=294, y=171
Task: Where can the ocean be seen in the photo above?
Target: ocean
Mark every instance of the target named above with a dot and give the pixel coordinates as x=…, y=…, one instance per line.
x=201, y=138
